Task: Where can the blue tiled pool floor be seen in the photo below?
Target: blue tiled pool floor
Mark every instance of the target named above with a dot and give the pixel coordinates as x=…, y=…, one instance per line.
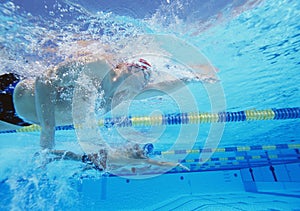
x=234, y=201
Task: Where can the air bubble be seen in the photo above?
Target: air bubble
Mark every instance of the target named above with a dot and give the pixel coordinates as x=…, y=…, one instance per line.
x=71, y=9
x=10, y=6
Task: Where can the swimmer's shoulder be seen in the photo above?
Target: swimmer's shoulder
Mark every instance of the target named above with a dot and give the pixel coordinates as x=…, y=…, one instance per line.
x=71, y=69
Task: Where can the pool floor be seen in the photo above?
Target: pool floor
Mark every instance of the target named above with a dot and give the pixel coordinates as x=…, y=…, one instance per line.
x=234, y=201
x=215, y=190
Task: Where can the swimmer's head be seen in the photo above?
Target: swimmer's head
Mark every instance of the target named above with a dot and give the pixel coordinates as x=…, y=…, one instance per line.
x=148, y=149
x=141, y=66
x=137, y=152
x=140, y=69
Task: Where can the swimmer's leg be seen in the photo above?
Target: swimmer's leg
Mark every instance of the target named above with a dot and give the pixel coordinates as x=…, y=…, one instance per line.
x=44, y=99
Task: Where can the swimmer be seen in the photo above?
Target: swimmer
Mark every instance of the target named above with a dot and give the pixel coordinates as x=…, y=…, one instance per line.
x=43, y=101
x=112, y=160
x=47, y=101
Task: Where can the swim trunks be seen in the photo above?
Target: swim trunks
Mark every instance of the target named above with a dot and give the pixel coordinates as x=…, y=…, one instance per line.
x=8, y=113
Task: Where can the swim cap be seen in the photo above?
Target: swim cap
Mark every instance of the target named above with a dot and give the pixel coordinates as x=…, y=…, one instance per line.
x=142, y=65
x=148, y=149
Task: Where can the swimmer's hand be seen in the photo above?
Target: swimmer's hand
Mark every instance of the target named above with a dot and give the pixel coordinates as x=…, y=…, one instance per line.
x=182, y=166
x=164, y=163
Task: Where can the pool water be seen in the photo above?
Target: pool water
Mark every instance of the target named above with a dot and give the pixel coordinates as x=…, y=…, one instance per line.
x=238, y=165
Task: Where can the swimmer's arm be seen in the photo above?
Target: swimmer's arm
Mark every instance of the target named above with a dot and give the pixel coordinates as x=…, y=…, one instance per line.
x=164, y=163
x=67, y=155
x=167, y=86
x=44, y=100
x=161, y=88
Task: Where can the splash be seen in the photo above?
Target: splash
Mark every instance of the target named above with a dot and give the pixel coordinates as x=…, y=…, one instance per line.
x=30, y=185
x=30, y=43
x=33, y=41
x=191, y=18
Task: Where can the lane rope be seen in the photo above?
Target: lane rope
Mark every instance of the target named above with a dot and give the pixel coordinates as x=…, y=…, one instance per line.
x=181, y=118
